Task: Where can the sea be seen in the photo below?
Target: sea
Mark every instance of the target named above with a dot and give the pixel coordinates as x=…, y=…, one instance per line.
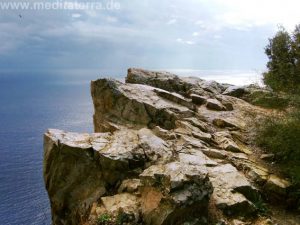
x=32, y=102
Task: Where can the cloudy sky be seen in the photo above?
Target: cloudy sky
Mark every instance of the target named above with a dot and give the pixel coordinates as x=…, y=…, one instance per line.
x=156, y=34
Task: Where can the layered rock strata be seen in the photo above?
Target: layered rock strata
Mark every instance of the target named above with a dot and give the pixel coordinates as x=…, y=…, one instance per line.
x=166, y=150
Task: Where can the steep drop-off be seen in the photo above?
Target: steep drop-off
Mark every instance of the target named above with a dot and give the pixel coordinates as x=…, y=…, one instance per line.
x=168, y=150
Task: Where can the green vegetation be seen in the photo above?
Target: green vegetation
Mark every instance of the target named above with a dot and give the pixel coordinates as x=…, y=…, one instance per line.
x=269, y=100
x=121, y=218
x=261, y=206
x=104, y=219
x=281, y=134
x=283, y=66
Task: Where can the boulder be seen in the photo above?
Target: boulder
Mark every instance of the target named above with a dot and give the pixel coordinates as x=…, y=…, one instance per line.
x=162, y=80
x=129, y=186
x=78, y=168
x=117, y=209
x=132, y=105
x=232, y=192
x=235, y=91
x=214, y=104
x=212, y=87
x=172, y=83
x=174, y=193
x=198, y=99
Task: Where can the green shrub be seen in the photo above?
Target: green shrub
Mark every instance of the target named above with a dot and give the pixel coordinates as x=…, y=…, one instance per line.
x=281, y=135
x=269, y=100
x=284, y=61
x=260, y=205
x=104, y=219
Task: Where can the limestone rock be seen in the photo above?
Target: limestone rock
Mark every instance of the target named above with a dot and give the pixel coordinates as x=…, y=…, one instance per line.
x=75, y=161
x=162, y=80
x=165, y=134
x=277, y=186
x=225, y=141
x=198, y=123
x=70, y=167
x=215, y=153
x=172, y=83
x=214, y=104
x=196, y=158
x=232, y=192
x=174, y=192
x=132, y=105
x=223, y=123
x=129, y=185
x=177, y=98
x=257, y=173
x=169, y=152
x=235, y=91
x=212, y=87
x=197, y=99
x=267, y=157
x=120, y=208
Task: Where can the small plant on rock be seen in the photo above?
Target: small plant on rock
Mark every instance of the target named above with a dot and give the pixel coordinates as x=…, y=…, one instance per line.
x=104, y=219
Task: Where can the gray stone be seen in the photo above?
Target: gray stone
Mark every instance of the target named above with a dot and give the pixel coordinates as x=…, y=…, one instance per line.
x=235, y=91
x=214, y=104
x=132, y=105
x=232, y=192
x=198, y=99
x=173, y=192
x=277, y=186
x=223, y=123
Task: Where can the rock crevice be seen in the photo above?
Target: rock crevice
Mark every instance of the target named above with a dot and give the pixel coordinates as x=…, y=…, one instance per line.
x=166, y=150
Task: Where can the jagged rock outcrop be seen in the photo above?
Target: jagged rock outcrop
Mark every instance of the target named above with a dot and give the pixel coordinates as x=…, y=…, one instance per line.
x=168, y=150
x=135, y=105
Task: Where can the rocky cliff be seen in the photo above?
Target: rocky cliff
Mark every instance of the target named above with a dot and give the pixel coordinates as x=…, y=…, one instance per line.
x=167, y=150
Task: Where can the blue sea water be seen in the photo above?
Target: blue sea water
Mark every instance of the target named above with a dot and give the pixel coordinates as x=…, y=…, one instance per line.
x=29, y=105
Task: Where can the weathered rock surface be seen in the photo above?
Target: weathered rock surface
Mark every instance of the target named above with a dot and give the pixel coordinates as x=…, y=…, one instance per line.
x=171, y=151
x=232, y=191
x=181, y=190
x=134, y=105
x=236, y=91
x=214, y=104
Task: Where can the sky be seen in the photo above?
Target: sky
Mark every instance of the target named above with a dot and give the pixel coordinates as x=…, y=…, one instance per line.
x=153, y=34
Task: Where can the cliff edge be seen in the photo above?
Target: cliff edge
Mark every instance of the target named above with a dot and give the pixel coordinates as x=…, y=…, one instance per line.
x=166, y=150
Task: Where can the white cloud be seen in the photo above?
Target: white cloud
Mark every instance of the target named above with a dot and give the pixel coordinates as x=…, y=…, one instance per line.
x=190, y=42
x=199, y=22
x=111, y=19
x=195, y=34
x=246, y=14
x=180, y=40
x=217, y=36
x=172, y=21
x=76, y=15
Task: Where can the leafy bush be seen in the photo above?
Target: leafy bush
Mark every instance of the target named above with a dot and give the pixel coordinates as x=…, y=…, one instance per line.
x=268, y=100
x=261, y=206
x=104, y=219
x=282, y=137
x=283, y=66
